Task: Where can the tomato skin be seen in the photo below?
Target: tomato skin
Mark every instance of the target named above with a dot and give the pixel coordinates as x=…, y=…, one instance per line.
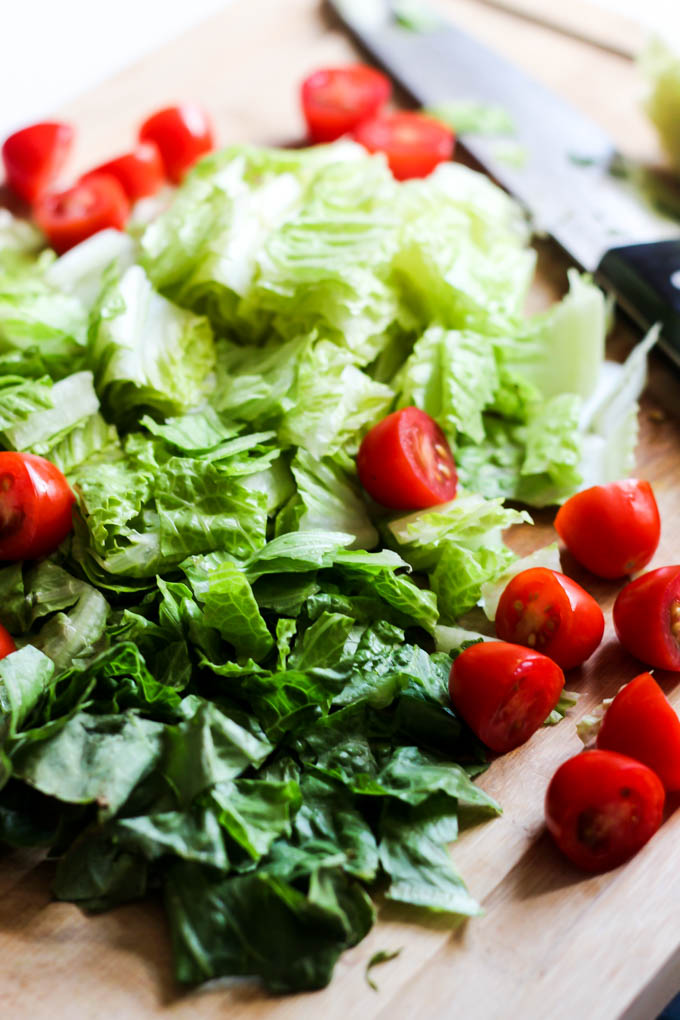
x=413, y=143
x=336, y=99
x=602, y=807
x=545, y=610
x=140, y=172
x=182, y=133
x=642, y=723
x=405, y=462
x=35, y=506
x=647, y=617
x=7, y=645
x=71, y=216
x=34, y=156
x=614, y=529
x=504, y=692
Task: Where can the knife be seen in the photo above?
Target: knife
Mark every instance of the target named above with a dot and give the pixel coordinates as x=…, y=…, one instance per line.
x=565, y=180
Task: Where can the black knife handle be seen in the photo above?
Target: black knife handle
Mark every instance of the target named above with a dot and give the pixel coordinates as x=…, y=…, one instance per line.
x=646, y=280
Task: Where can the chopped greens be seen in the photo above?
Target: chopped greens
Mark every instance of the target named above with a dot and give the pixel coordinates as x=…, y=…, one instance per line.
x=225, y=686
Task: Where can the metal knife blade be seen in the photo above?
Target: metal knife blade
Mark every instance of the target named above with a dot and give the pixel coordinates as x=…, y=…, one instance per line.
x=565, y=179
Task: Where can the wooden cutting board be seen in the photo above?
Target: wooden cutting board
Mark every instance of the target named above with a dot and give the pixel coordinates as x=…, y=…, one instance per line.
x=552, y=944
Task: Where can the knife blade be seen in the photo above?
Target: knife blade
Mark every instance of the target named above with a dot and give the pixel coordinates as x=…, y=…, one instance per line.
x=565, y=180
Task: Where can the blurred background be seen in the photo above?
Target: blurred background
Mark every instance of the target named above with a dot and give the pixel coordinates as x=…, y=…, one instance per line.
x=56, y=51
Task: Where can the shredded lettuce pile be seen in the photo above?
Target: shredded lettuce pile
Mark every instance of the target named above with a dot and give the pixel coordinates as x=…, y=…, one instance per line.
x=226, y=686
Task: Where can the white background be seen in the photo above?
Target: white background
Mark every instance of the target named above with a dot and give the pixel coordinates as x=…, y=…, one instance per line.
x=54, y=49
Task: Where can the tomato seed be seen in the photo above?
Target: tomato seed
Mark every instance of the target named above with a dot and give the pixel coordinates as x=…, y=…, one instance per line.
x=675, y=619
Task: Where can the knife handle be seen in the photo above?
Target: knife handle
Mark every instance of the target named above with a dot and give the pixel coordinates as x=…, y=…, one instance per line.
x=646, y=281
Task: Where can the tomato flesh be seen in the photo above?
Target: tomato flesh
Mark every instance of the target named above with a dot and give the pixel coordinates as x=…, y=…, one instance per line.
x=641, y=723
x=546, y=610
x=336, y=99
x=504, y=692
x=35, y=506
x=182, y=133
x=601, y=807
x=405, y=462
x=647, y=617
x=413, y=143
x=34, y=156
x=7, y=645
x=140, y=172
x=68, y=217
x=612, y=530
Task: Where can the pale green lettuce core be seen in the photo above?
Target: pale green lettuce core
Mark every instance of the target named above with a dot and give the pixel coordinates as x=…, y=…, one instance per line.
x=660, y=63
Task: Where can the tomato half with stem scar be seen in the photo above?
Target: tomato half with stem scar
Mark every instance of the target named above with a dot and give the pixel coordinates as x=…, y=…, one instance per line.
x=35, y=506
x=642, y=723
x=647, y=617
x=405, y=462
x=7, y=645
x=413, y=143
x=34, y=156
x=546, y=610
x=504, y=692
x=613, y=529
x=336, y=99
x=93, y=204
x=602, y=807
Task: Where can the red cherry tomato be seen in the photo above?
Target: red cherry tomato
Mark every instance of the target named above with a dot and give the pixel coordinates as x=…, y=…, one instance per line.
x=647, y=617
x=35, y=506
x=91, y=205
x=182, y=134
x=34, y=156
x=414, y=144
x=504, y=692
x=601, y=807
x=642, y=723
x=336, y=99
x=7, y=645
x=140, y=172
x=546, y=610
x=405, y=462
x=612, y=529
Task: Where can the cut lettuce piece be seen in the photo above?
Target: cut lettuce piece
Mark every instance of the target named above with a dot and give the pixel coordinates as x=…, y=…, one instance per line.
x=460, y=545
x=147, y=352
x=563, y=349
x=72, y=399
x=83, y=270
x=37, y=318
x=452, y=375
x=660, y=64
x=331, y=498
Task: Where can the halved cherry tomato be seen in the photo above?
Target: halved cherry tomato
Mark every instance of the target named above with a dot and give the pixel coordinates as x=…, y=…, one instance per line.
x=182, y=134
x=601, y=807
x=546, y=610
x=7, y=645
x=413, y=143
x=647, y=617
x=140, y=172
x=405, y=462
x=69, y=217
x=612, y=529
x=504, y=692
x=34, y=156
x=336, y=99
x=642, y=723
x=35, y=506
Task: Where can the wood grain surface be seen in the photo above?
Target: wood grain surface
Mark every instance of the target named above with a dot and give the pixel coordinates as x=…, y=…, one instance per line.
x=552, y=944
